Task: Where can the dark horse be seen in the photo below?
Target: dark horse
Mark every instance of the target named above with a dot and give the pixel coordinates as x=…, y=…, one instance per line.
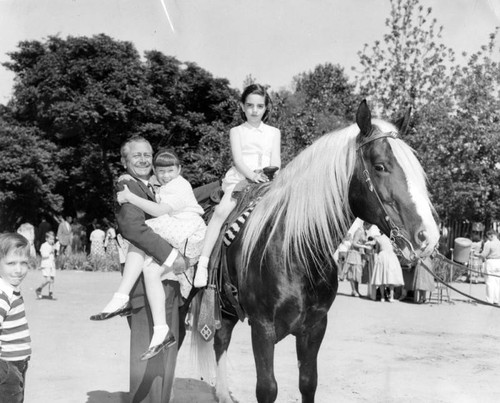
x=282, y=262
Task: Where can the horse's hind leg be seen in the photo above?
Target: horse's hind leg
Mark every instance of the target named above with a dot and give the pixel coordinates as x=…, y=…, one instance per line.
x=263, y=352
x=307, y=345
x=222, y=339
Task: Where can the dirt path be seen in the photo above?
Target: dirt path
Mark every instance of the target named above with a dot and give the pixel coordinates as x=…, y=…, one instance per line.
x=372, y=352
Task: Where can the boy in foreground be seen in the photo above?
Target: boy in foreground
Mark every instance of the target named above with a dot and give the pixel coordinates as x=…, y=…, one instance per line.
x=15, y=340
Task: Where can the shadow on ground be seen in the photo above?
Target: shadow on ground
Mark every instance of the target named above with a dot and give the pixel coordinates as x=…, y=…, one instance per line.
x=186, y=390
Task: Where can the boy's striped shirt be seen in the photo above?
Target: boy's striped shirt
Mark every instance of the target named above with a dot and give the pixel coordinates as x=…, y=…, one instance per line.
x=15, y=340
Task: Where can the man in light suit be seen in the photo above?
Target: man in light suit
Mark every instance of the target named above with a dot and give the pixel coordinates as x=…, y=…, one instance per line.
x=151, y=381
x=64, y=234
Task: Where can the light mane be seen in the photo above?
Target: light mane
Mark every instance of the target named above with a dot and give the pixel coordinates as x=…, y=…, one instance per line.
x=309, y=197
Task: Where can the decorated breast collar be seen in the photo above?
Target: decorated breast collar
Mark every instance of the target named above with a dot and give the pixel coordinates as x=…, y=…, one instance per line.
x=376, y=134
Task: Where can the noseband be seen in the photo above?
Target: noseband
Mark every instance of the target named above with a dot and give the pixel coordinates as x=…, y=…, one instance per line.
x=395, y=234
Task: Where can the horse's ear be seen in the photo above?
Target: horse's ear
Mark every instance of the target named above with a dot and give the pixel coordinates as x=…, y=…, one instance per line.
x=403, y=123
x=364, y=118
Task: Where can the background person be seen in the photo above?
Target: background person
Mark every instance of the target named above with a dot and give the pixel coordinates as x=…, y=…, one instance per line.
x=47, y=265
x=64, y=235
x=387, y=271
x=491, y=255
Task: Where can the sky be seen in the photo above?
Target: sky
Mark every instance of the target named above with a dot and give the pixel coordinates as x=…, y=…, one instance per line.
x=273, y=40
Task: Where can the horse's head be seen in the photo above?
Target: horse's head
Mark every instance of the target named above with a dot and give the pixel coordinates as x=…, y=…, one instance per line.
x=388, y=186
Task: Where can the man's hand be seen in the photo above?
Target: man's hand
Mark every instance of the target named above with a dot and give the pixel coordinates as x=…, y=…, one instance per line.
x=125, y=195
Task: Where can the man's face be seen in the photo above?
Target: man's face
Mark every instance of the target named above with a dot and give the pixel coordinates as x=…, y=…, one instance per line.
x=13, y=267
x=139, y=160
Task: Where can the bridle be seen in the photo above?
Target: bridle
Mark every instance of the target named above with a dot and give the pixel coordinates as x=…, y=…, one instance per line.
x=395, y=235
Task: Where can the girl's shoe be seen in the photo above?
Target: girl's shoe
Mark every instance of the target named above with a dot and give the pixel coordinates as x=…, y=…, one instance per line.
x=125, y=310
x=168, y=342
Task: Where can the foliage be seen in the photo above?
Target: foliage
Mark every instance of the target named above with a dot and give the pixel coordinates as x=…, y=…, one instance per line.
x=29, y=175
x=86, y=96
x=82, y=261
x=323, y=101
x=409, y=67
x=455, y=108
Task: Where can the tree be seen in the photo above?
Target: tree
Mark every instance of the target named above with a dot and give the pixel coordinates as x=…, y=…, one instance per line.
x=409, y=67
x=29, y=174
x=323, y=100
x=455, y=108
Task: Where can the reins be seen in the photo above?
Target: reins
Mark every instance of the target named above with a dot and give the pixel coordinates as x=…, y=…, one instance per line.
x=395, y=235
x=440, y=280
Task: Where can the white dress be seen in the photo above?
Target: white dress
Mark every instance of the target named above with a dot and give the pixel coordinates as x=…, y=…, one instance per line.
x=184, y=227
x=387, y=270
x=256, y=148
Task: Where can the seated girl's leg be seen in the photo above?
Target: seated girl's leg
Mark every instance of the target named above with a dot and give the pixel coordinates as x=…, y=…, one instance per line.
x=156, y=298
x=131, y=272
x=222, y=211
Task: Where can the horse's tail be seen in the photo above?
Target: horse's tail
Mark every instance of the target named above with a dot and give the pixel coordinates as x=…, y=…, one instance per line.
x=202, y=352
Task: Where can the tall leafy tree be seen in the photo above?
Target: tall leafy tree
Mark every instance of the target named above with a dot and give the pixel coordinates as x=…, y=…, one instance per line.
x=410, y=66
x=29, y=175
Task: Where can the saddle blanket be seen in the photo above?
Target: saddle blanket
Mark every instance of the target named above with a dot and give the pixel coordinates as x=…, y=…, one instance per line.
x=236, y=226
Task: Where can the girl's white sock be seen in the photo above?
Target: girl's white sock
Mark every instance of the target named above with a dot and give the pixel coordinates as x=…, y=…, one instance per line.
x=159, y=334
x=201, y=277
x=116, y=302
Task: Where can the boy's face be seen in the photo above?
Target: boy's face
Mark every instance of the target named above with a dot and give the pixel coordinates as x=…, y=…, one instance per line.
x=14, y=267
x=50, y=240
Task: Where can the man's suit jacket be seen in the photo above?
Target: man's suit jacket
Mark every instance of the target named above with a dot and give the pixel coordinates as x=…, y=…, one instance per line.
x=64, y=233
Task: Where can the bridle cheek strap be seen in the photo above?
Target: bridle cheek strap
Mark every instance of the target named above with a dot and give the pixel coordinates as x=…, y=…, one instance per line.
x=395, y=233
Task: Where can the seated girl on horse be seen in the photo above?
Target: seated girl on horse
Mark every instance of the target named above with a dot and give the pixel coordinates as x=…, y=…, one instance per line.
x=254, y=145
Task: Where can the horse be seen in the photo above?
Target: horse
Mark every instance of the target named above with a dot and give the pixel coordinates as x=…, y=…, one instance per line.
x=282, y=263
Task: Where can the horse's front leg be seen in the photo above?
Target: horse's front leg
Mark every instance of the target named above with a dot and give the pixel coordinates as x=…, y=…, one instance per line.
x=307, y=345
x=222, y=339
x=263, y=352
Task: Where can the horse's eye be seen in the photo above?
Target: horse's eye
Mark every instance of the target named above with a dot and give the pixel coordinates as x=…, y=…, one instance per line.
x=379, y=168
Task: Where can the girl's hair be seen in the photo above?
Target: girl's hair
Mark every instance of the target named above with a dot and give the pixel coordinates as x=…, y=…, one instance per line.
x=259, y=90
x=12, y=241
x=166, y=157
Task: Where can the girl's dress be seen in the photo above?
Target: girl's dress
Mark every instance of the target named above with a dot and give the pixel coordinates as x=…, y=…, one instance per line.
x=256, y=148
x=97, y=243
x=28, y=231
x=387, y=270
x=354, y=260
x=184, y=227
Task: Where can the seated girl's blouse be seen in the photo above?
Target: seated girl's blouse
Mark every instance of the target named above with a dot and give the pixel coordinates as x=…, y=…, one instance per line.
x=256, y=149
x=178, y=194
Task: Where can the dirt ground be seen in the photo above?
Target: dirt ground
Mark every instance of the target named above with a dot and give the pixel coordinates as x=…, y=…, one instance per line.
x=372, y=351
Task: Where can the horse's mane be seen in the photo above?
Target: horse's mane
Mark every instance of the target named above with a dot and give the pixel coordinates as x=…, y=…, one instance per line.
x=310, y=198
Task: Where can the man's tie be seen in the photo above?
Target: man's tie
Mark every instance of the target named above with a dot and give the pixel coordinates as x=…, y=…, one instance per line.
x=151, y=188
